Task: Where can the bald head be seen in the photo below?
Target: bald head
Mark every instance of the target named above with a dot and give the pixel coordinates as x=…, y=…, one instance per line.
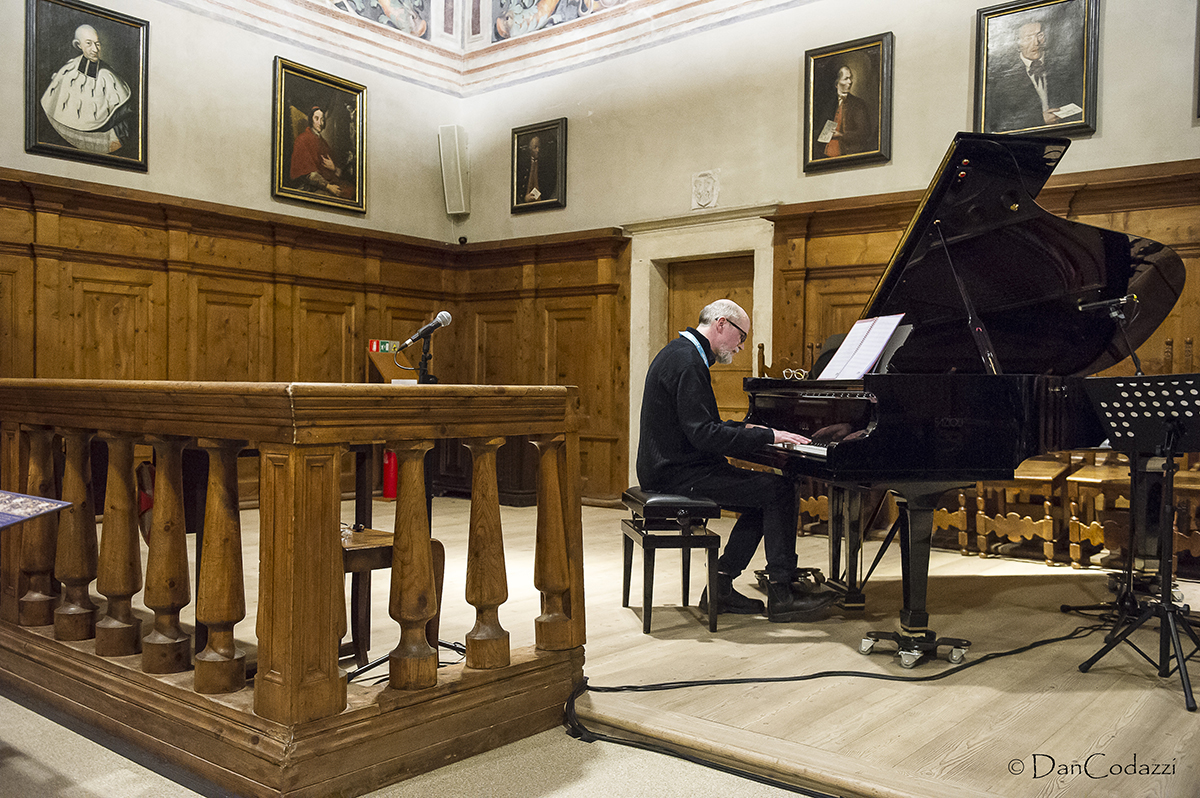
x=88, y=42
x=722, y=307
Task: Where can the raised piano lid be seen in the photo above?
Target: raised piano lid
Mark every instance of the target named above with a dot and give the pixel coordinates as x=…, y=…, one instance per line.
x=1025, y=269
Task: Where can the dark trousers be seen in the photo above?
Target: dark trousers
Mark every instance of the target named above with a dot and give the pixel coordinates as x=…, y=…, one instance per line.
x=767, y=503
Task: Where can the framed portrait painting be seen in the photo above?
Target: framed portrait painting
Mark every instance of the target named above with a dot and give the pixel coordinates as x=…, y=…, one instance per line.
x=85, y=83
x=1035, y=67
x=539, y=166
x=848, y=103
x=319, y=143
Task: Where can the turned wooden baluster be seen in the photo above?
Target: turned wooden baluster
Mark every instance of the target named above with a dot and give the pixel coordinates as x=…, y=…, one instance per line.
x=75, y=561
x=487, y=582
x=167, y=648
x=220, y=596
x=413, y=602
x=550, y=569
x=36, y=607
x=119, y=632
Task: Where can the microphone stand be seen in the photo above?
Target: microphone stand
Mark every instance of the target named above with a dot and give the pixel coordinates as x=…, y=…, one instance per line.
x=423, y=378
x=423, y=375
x=1117, y=314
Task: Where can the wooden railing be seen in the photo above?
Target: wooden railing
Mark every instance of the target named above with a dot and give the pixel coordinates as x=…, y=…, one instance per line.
x=50, y=565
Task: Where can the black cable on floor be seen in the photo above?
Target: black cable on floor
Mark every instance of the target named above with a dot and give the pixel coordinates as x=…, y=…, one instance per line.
x=576, y=729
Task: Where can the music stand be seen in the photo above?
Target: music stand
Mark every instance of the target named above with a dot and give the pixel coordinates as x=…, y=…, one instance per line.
x=1151, y=419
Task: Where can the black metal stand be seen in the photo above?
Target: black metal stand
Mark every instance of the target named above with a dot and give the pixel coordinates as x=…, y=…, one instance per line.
x=423, y=375
x=1138, y=410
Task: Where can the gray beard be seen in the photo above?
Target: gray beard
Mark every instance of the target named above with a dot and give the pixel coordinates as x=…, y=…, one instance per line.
x=724, y=356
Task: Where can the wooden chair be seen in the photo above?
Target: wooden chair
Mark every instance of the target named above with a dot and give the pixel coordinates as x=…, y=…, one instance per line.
x=1098, y=496
x=366, y=550
x=667, y=521
x=952, y=518
x=1030, y=506
x=1187, y=517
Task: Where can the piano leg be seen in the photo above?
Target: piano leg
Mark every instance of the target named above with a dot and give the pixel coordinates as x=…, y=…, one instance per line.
x=916, y=534
x=916, y=640
x=845, y=529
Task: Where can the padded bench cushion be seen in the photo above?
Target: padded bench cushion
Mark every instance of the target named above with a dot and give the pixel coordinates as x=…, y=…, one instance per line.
x=668, y=505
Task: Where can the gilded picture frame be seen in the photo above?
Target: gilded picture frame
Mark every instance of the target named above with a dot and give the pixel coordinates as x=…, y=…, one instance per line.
x=319, y=144
x=1036, y=66
x=848, y=103
x=539, y=166
x=86, y=75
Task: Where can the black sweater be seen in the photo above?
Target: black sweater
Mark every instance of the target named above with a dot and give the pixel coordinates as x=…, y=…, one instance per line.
x=681, y=432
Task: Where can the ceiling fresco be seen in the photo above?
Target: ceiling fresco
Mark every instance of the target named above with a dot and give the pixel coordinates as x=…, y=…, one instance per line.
x=407, y=16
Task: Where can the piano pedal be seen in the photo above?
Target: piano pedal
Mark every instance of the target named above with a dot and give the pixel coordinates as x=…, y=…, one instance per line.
x=805, y=578
x=913, y=650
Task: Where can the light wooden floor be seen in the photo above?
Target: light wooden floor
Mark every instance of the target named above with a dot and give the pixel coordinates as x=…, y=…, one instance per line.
x=1025, y=725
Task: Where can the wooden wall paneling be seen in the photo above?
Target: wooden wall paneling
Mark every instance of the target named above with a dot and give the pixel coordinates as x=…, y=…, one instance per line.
x=579, y=353
x=529, y=353
x=328, y=341
x=16, y=313
x=128, y=231
x=496, y=335
x=51, y=339
x=250, y=251
x=327, y=259
x=834, y=302
x=116, y=328
x=788, y=318
x=226, y=327
x=17, y=305
x=616, y=307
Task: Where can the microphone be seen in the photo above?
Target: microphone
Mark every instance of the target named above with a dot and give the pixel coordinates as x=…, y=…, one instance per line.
x=1108, y=304
x=442, y=319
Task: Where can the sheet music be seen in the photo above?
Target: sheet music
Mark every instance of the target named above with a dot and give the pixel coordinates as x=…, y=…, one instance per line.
x=861, y=350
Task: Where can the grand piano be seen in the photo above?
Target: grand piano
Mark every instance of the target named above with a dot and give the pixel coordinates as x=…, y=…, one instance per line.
x=1007, y=309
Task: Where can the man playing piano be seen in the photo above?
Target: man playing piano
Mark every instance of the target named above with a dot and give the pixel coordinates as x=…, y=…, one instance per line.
x=682, y=450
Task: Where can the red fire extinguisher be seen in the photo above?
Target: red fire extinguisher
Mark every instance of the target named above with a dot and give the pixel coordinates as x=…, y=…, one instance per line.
x=389, y=474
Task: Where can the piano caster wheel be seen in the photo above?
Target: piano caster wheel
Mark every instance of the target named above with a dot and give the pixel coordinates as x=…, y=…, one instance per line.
x=866, y=646
x=909, y=659
x=956, y=655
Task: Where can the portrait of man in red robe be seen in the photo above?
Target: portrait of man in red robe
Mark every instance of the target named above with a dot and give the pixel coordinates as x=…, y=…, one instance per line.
x=314, y=166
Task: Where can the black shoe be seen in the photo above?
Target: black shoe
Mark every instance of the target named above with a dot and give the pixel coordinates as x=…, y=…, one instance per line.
x=729, y=600
x=785, y=605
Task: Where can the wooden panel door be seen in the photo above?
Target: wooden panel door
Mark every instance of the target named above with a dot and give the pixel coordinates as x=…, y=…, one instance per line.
x=694, y=284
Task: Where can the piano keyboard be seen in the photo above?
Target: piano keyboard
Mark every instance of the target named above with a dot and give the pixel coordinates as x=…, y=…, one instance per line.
x=809, y=449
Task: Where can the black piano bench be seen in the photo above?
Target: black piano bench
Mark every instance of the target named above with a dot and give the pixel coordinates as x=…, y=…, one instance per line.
x=666, y=521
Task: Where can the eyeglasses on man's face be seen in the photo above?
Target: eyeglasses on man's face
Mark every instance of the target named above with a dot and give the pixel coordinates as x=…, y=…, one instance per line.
x=741, y=332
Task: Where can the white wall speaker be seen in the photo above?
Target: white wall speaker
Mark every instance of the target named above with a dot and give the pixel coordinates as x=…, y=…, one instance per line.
x=452, y=142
